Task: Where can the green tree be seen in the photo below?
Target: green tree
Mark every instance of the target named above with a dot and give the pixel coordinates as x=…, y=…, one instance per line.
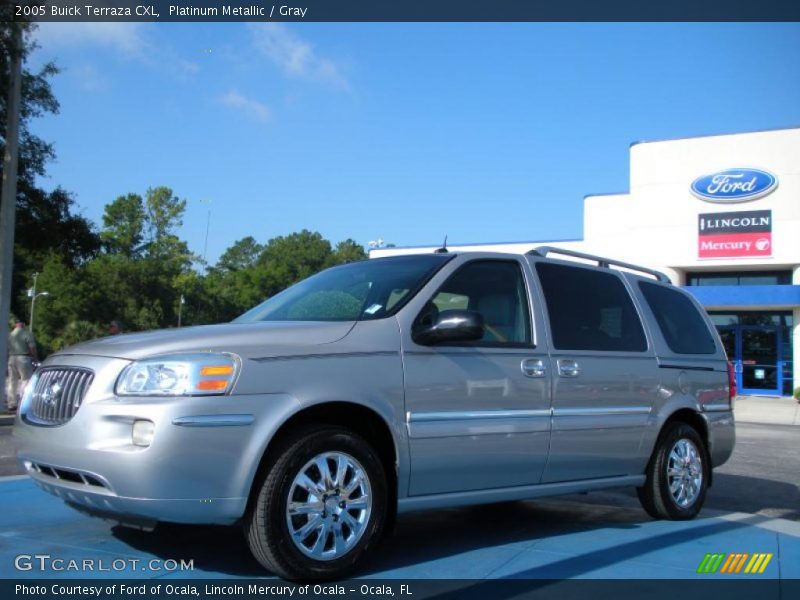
x=242, y=255
x=67, y=291
x=123, y=226
x=348, y=251
x=141, y=275
x=164, y=215
x=288, y=259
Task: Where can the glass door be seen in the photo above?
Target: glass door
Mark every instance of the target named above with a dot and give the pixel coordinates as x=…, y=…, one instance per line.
x=758, y=363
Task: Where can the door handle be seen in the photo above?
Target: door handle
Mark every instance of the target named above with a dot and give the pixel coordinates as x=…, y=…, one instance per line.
x=568, y=368
x=533, y=367
x=737, y=367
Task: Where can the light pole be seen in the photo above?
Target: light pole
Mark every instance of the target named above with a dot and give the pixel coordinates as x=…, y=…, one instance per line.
x=8, y=194
x=33, y=296
x=180, y=309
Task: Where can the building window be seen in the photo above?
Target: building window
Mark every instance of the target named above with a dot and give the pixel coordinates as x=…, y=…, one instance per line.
x=739, y=278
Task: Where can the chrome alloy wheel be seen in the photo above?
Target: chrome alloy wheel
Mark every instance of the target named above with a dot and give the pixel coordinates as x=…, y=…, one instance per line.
x=684, y=473
x=329, y=505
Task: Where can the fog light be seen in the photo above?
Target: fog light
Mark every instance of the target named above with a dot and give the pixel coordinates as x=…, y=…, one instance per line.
x=142, y=434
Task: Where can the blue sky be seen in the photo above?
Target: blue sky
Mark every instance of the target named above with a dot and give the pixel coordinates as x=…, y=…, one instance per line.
x=407, y=132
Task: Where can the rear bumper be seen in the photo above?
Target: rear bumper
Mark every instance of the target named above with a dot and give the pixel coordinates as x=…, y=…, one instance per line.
x=721, y=435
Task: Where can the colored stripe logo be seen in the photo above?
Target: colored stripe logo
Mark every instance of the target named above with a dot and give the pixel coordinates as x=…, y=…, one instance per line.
x=735, y=562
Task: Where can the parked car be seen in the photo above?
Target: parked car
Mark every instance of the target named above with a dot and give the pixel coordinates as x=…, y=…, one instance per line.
x=391, y=385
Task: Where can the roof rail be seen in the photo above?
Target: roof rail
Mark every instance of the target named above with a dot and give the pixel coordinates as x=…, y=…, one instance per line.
x=606, y=263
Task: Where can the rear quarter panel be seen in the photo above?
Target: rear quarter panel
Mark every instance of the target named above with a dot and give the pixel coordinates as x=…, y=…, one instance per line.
x=695, y=382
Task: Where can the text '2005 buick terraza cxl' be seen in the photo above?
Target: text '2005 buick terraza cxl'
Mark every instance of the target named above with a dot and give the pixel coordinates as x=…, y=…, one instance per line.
x=389, y=385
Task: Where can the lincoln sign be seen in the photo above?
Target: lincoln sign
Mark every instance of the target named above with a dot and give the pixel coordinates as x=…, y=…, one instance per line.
x=734, y=234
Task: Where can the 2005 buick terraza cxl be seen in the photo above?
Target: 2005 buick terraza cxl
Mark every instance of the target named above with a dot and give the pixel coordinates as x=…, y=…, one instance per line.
x=390, y=385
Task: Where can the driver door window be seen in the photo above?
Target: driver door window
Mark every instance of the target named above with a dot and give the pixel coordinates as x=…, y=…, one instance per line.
x=496, y=290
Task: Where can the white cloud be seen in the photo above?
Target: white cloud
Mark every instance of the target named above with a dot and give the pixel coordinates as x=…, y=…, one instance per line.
x=254, y=108
x=188, y=66
x=127, y=38
x=89, y=78
x=295, y=56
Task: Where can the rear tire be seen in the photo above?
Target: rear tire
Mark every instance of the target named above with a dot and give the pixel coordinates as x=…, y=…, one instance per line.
x=677, y=474
x=320, y=508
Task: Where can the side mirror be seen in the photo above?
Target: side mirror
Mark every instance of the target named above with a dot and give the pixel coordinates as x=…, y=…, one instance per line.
x=450, y=326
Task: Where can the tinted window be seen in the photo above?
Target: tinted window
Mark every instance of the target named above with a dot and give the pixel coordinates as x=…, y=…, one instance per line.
x=590, y=310
x=495, y=289
x=683, y=328
x=360, y=291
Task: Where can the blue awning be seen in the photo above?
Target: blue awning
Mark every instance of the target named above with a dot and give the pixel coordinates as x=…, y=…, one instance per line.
x=756, y=296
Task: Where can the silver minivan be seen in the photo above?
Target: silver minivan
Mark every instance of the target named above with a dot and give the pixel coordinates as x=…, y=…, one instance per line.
x=390, y=385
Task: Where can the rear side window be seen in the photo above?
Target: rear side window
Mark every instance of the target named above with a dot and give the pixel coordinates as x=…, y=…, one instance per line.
x=682, y=326
x=590, y=310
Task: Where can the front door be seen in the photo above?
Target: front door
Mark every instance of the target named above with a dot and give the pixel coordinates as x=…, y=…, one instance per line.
x=478, y=413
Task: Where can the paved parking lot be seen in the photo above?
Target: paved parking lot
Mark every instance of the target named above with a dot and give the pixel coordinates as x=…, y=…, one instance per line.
x=565, y=538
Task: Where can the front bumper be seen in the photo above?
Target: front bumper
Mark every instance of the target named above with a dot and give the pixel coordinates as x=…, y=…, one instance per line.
x=198, y=468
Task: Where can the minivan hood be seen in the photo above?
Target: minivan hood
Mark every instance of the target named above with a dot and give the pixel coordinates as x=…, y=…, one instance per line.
x=246, y=339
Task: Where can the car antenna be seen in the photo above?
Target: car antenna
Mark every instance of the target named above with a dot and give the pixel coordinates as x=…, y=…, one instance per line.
x=443, y=249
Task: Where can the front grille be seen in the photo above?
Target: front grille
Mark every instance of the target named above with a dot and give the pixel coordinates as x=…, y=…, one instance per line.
x=58, y=394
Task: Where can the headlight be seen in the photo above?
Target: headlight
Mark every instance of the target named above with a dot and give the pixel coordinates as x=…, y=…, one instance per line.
x=27, y=394
x=202, y=374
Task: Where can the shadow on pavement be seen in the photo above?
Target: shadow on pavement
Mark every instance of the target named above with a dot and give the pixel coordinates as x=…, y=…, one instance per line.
x=419, y=537
x=752, y=494
x=436, y=534
x=212, y=548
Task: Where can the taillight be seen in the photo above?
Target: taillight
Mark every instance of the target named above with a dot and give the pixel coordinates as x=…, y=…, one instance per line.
x=731, y=382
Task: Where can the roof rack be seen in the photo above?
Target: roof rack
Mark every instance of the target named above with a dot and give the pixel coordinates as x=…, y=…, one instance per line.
x=605, y=263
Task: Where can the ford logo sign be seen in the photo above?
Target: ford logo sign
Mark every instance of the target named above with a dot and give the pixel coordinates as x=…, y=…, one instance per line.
x=734, y=185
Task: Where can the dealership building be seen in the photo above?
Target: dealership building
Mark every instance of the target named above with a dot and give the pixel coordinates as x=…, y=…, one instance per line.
x=721, y=216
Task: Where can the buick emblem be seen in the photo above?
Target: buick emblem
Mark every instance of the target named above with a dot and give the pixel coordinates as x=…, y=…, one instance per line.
x=52, y=393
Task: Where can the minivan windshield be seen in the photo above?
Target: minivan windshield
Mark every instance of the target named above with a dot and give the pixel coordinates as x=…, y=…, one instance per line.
x=360, y=291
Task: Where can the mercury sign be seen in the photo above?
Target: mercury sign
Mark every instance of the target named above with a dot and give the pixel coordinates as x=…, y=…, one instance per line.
x=734, y=185
x=734, y=234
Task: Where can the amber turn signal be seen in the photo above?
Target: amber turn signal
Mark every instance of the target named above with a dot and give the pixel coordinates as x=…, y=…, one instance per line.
x=216, y=370
x=212, y=385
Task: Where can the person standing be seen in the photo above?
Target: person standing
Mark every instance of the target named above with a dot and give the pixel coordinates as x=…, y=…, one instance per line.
x=21, y=354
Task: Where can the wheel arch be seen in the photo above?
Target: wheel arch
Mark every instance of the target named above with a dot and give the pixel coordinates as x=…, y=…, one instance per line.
x=693, y=418
x=356, y=417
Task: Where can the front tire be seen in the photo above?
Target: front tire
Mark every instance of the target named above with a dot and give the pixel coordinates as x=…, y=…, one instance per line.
x=677, y=474
x=321, y=506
